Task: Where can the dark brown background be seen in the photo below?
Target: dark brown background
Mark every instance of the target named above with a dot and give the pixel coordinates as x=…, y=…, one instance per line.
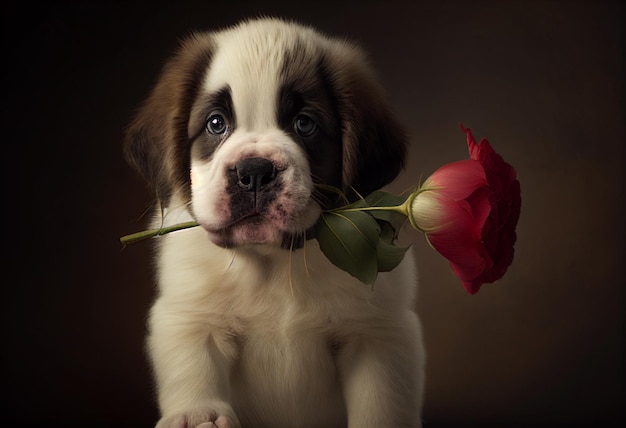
x=542, y=80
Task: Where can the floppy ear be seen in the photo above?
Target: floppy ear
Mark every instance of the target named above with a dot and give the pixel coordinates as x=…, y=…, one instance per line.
x=374, y=143
x=157, y=141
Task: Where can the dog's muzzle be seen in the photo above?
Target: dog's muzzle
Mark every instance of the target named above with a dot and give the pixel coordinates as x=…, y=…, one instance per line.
x=262, y=201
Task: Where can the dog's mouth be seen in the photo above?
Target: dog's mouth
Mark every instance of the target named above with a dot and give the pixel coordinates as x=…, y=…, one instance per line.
x=258, y=228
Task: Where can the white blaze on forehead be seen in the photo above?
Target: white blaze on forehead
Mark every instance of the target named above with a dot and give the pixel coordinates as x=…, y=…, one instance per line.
x=249, y=60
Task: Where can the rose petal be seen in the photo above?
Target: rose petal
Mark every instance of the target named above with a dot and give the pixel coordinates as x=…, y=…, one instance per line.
x=480, y=152
x=503, y=240
x=498, y=232
x=499, y=173
x=458, y=179
x=481, y=207
x=456, y=238
x=474, y=285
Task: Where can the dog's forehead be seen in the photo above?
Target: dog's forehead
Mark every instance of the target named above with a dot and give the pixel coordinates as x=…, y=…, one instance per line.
x=251, y=61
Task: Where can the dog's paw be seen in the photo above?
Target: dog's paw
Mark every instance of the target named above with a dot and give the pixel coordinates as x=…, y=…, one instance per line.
x=201, y=418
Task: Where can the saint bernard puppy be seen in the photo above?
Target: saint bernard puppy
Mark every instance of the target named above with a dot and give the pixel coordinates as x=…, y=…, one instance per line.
x=244, y=132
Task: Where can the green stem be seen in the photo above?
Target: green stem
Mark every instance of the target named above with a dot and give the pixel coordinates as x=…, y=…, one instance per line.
x=146, y=234
x=400, y=209
x=407, y=206
x=404, y=209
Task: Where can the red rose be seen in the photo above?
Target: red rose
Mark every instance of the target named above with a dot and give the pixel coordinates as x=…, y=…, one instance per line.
x=469, y=210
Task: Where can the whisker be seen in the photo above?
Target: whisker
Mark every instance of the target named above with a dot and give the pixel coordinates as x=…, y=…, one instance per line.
x=232, y=262
x=185, y=204
x=149, y=207
x=329, y=188
x=306, y=266
x=162, y=210
x=289, y=265
x=357, y=193
x=322, y=194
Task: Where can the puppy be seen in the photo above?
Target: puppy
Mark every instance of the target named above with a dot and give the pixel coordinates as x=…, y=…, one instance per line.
x=253, y=326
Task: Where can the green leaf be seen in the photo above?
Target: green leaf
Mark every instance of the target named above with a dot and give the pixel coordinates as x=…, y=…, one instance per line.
x=388, y=233
x=393, y=219
x=350, y=240
x=384, y=199
x=389, y=255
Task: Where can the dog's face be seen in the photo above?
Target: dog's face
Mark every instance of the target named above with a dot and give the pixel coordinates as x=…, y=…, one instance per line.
x=247, y=127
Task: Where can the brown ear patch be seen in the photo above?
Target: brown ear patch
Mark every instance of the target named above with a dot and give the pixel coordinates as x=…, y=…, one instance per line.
x=374, y=143
x=157, y=143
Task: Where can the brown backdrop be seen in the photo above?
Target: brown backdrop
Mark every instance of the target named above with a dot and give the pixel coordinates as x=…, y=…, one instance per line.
x=542, y=80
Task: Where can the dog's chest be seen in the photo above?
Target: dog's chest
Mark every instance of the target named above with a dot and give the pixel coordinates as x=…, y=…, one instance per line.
x=285, y=365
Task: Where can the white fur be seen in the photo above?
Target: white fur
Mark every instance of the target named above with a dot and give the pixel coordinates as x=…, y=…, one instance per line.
x=258, y=336
x=286, y=305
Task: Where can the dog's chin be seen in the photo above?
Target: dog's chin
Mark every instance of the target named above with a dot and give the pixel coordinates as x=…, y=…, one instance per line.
x=256, y=231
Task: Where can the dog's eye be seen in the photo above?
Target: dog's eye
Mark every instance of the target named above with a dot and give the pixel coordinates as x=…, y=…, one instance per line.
x=304, y=125
x=216, y=124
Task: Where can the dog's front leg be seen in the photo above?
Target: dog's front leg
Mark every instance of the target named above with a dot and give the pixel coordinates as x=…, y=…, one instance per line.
x=192, y=364
x=382, y=376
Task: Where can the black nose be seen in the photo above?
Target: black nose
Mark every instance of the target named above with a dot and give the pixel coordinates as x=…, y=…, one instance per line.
x=254, y=173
